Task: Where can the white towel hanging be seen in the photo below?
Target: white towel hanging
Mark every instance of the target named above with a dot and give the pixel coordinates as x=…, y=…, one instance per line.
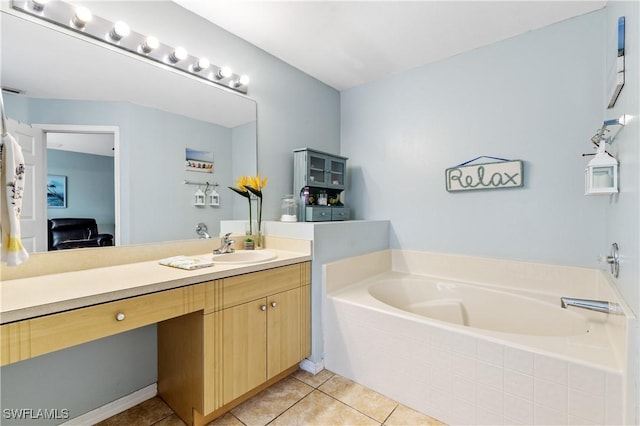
x=12, y=180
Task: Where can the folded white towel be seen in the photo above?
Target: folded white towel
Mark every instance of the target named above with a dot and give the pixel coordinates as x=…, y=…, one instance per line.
x=186, y=262
x=12, y=179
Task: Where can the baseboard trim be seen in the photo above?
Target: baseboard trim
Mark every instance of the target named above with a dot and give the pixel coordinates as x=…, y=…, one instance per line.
x=312, y=367
x=115, y=407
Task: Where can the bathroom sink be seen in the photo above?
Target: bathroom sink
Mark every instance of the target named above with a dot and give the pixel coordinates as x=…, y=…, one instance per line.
x=244, y=257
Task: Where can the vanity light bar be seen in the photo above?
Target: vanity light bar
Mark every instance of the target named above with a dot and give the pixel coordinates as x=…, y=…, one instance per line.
x=118, y=34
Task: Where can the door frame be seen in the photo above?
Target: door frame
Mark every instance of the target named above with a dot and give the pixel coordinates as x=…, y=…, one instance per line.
x=82, y=128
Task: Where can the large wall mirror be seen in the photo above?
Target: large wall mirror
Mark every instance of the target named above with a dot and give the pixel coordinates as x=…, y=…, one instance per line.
x=118, y=129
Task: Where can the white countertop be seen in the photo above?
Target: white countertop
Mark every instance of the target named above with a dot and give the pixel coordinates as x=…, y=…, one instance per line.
x=47, y=294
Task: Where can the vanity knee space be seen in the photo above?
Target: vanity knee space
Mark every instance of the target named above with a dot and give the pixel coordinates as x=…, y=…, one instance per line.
x=254, y=328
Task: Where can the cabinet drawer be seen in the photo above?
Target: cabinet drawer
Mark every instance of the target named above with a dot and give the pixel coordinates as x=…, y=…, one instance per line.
x=318, y=214
x=30, y=338
x=339, y=213
x=247, y=287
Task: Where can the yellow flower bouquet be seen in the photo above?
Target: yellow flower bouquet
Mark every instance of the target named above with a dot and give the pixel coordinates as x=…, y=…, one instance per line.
x=248, y=186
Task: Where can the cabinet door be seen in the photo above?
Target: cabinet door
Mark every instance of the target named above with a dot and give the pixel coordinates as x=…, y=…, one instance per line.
x=317, y=167
x=244, y=344
x=336, y=172
x=283, y=331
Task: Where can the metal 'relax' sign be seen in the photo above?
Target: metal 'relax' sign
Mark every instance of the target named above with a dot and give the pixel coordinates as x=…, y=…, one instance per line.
x=466, y=177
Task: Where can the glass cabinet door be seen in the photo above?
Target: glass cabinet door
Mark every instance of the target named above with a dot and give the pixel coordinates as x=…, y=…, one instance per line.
x=336, y=172
x=317, y=169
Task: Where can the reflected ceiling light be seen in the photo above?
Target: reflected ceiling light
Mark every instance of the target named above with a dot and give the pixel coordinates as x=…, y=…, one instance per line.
x=179, y=54
x=242, y=81
x=201, y=64
x=150, y=43
x=38, y=5
x=119, y=31
x=224, y=72
x=81, y=17
x=118, y=35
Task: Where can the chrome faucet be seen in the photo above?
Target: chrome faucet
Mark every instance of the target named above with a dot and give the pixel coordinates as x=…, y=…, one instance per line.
x=592, y=305
x=226, y=245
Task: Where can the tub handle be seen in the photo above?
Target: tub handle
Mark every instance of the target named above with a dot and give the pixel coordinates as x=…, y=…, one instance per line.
x=613, y=260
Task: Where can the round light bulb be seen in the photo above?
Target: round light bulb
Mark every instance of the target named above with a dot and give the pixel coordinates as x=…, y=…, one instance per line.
x=119, y=31
x=224, y=72
x=150, y=43
x=81, y=17
x=242, y=81
x=201, y=64
x=39, y=4
x=179, y=54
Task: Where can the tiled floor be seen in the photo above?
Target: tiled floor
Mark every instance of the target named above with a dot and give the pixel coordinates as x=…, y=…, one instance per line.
x=302, y=399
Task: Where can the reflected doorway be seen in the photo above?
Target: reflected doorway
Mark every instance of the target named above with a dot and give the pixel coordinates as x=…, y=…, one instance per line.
x=85, y=158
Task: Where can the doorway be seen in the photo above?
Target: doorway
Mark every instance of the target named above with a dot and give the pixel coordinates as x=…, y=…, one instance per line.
x=86, y=160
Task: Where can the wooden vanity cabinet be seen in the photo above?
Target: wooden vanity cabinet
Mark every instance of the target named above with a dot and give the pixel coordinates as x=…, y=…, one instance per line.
x=254, y=329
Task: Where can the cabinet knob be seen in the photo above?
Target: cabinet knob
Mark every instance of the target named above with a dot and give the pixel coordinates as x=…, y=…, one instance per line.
x=274, y=304
x=120, y=316
x=263, y=307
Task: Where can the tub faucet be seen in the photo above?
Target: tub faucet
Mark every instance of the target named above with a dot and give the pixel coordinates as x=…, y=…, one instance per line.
x=593, y=305
x=225, y=246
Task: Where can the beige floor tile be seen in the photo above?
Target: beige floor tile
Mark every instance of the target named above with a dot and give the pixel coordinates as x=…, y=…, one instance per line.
x=405, y=416
x=173, y=420
x=271, y=402
x=314, y=380
x=357, y=396
x=226, y=420
x=318, y=409
x=144, y=414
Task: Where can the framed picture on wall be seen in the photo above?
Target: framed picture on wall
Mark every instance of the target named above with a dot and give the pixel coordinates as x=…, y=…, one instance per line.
x=198, y=161
x=56, y=192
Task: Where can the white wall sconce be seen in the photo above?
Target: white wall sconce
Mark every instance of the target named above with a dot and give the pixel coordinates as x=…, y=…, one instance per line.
x=601, y=174
x=198, y=198
x=213, y=198
x=208, y=197
x=118, y=34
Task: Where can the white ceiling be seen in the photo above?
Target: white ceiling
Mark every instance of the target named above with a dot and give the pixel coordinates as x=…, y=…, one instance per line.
x=348, y=43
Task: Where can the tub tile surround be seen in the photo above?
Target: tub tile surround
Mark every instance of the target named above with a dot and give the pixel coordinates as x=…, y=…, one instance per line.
x=463, y=377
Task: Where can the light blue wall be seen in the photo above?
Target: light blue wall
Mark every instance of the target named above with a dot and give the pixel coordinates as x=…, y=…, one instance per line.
x=537, y=97
x=89, y=187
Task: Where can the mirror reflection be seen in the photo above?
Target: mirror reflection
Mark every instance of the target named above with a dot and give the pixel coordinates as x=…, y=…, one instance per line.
x=117, y=130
